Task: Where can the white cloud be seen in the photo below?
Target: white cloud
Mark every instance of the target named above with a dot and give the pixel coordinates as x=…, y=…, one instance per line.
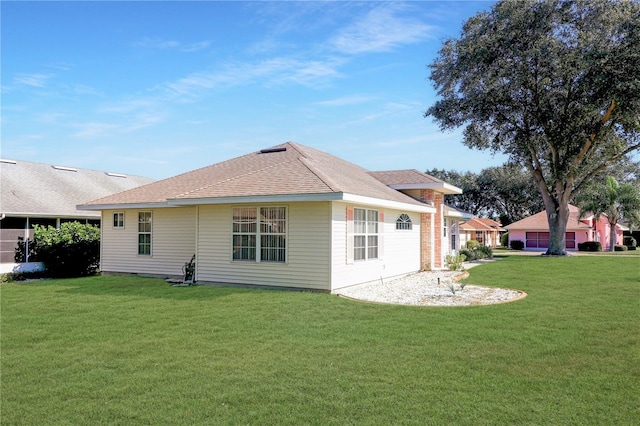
x=33, y=80
x=161, y=44
x=269, y=72
x=347, y=100
x=381, y=30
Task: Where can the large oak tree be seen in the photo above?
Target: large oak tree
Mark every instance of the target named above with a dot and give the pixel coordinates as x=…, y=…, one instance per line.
x=554, y=84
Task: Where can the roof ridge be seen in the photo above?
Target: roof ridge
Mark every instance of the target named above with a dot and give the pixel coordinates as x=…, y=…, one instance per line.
x=202, y=188
x=324, y=178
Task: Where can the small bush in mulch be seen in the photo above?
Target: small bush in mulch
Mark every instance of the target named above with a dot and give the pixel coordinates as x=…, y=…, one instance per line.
x=516, y=245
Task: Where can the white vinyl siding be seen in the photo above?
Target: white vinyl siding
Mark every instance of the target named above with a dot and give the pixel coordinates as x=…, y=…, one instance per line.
x=308, y=248
x=173, y=243
x=401, y=249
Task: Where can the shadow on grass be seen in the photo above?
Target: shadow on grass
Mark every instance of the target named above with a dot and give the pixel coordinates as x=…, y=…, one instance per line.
x=139, y=287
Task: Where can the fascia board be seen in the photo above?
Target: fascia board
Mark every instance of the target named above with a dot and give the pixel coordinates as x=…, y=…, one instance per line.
x=123, y=206
x=290, y=198
x=52, y=215
x=283, y=198
x=359, y=199
x=443, y=187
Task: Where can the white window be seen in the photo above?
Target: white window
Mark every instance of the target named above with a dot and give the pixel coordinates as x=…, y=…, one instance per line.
x=365, y=234
x=144, y=233
x=445, y=227
x=404, y=222
x=260, y=237
x=118, y=220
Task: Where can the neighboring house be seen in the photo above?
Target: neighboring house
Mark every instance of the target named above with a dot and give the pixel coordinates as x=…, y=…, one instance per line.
x=534, y=230
x=452, y=222
x=287, y=216
x=486, y=231
x=42, y=194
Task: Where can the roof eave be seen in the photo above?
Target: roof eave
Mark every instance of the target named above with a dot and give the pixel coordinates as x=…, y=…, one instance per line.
x=443, y=187
x=287, y=198
x=121, y=206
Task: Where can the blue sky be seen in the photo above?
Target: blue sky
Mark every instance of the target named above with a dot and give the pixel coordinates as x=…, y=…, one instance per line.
x=161, y=88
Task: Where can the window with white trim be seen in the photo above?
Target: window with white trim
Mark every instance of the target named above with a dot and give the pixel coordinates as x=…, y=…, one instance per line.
x=118, y=220
x=144, y=233
x=404, y=222
x=365, y=234
x=260, y=234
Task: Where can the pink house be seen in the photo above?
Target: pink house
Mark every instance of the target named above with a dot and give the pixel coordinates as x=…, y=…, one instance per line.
x=534, y=230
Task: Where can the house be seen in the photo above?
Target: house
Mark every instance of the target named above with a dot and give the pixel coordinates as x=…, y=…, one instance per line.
x=453, y=219
x=534, y=230
x=286, y=216
x=486, y=231
x=43, y=194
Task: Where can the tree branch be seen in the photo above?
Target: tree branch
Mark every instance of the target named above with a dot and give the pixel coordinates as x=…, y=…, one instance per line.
x=589, y=176
x=592, y=138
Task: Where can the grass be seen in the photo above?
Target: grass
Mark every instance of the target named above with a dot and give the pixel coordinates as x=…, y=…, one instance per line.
x=114, y=350
x=503, y=251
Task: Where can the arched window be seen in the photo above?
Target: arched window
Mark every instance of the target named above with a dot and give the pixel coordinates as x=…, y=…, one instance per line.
x=404, y=222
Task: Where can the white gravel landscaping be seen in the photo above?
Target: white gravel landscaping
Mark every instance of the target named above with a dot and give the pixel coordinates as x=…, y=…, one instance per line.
x=430, y=289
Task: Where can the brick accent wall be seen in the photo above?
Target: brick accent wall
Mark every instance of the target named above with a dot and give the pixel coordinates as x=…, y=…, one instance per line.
x=431, y=196
x=425, y=242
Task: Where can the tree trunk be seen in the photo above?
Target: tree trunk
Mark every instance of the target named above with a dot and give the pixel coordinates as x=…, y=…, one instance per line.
x=612, y=236
x=557, y=218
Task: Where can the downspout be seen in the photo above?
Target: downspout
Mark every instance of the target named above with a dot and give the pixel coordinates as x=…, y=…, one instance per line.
x=26, y=241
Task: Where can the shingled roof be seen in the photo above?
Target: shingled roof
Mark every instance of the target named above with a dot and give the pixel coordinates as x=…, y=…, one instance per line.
x=539, y=222
x=414, y=179
x=45, y=190
x=286, y=172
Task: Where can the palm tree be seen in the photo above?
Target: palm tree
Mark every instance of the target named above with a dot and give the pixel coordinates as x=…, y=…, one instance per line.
x=616, y=201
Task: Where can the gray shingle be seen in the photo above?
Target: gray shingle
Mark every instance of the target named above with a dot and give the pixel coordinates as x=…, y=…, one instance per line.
x=37, y=189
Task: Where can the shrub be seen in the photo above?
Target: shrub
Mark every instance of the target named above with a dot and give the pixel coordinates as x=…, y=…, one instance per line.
x=469, y=255
x=20, y=253
x=590, y=246
x=73, y=250
x=472, y=244
x=620, y=247
x=454, y=261
x=629, y=241
x=504, y=240
x=484, y=252
x=516, y=245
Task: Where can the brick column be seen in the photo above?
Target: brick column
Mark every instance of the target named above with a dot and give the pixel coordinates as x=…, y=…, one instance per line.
x=425, y=242
x=434, y=239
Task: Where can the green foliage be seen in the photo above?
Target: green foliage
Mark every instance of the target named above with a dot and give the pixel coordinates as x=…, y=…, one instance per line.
x=484, y=252
x=21, y=251
x=506, y=192
x=504, y=240
x=552, y=84
x=469, y=255
x=472, y=244
x=590, y=246
x=516, y=245
x=629, y=241
x=477, y=253
x=73, y=250
x=454, y=261
x=616, y=201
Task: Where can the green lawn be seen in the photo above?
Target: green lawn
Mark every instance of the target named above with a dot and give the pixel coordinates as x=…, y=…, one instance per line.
x=122, y=351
